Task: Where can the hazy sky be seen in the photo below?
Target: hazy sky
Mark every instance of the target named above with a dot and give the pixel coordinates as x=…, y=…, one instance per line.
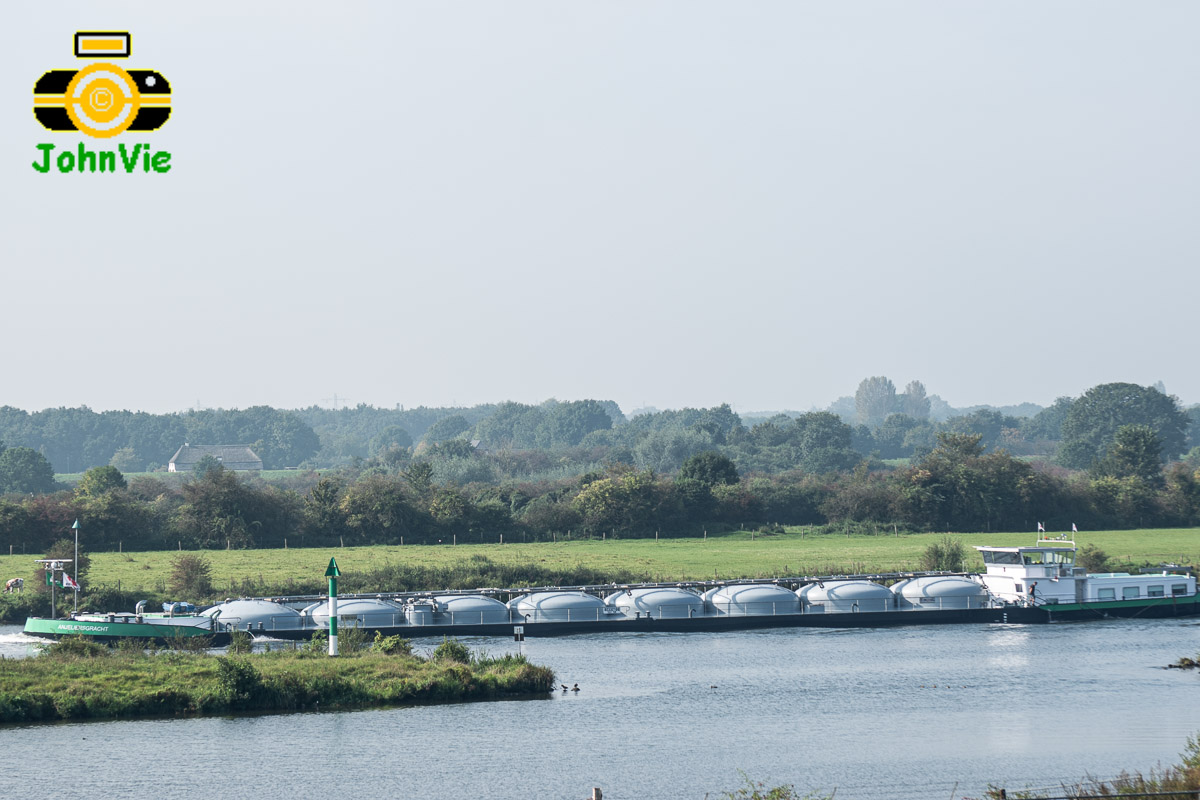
x=664, y=203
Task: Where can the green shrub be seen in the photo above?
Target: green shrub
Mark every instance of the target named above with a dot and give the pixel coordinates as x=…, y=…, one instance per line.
x=134, y=646
x=946, y=555
x=757, y=790
x=72, y=648
x=238, y=681
x=1092, y=558
x=189, y=644
x=240, y=643
x=391, y=645
x=452, y=650
x=319, y=643
x=352, y=640
x=191, y=576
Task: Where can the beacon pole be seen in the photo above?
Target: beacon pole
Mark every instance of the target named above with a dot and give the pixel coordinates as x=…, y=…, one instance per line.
x=75, y=527
x=332, y=573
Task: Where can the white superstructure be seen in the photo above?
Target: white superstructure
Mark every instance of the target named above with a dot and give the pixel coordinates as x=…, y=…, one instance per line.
x=1045, y=574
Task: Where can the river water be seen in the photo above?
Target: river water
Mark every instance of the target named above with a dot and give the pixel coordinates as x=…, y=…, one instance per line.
x=919, y=712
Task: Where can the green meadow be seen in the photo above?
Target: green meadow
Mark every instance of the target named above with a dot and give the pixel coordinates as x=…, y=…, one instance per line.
x=735, y=555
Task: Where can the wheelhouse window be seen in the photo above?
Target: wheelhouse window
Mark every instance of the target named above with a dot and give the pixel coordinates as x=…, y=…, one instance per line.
x=1178, y=588
x=994, y=557
x=1131, y=593
x=1154, y=591
x=1106, y=594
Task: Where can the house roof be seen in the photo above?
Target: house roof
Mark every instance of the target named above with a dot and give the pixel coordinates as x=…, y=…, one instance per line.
x=225, y=453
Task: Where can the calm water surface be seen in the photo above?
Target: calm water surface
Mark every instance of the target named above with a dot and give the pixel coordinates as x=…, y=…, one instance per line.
x=926, y=712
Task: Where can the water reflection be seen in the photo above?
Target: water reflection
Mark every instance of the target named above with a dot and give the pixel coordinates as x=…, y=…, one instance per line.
x=1008, y=646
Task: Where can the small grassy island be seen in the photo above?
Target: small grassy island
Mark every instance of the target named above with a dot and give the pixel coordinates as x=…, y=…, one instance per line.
x=80, y=679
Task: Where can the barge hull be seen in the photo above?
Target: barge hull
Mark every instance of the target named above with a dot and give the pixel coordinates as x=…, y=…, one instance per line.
x=115, y=631
x=1022, y=615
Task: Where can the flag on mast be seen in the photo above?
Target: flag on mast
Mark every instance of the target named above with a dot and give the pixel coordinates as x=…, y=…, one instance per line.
x=1041, y=528
x=69, y=582
x=1073, y=528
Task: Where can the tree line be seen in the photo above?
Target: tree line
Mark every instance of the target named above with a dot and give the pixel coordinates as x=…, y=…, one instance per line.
x=957, y=485
x=557, y=439
x=1120, y=455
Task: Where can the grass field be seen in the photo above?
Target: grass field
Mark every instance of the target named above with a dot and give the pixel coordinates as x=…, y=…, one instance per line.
x=727, y=556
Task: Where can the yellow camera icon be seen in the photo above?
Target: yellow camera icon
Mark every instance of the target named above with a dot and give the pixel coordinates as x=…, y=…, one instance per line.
x=102, y=99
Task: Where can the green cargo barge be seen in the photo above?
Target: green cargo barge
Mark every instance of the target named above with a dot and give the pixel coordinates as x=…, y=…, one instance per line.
x=160, y=628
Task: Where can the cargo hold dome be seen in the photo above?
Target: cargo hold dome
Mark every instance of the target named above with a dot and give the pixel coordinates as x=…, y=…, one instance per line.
x=259, y=614
x=367, y=612
x=558, y=606
x=657, y=602
x=471, y=609
x=756, y=599
x=940, y=591
x=846, y=596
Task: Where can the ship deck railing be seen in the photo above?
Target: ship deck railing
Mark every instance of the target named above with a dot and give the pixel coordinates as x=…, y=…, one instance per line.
x=603, y=589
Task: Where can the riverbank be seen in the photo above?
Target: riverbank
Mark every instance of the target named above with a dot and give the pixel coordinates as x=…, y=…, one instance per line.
x=76, y=679
x=116, y=581
x=742, y=554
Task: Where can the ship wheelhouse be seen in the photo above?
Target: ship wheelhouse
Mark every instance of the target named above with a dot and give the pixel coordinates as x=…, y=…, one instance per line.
x=1044, y=573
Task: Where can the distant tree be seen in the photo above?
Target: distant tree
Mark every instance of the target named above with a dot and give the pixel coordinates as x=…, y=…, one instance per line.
x=1135, y=452
x=890, y=436
x=419, y=476
x=957, y=485
x=206, y=464
x=844, y=408
x=568, y=423
x=288, y=440
x=1194, y=426
x=1192, y=459
x=445, y=429
x=666, y=450
x=874, y=400
x=389, y=437
x=614, y=411
x=449, y=507
x=824, y=443
x=323, y=515
x=99, y=480
x=709, y=468
x=191, y=576
x=512, y=425
x=913, y=402
x=989, y=424
x=1093, y=421
x=26, y=471
x=618, y=502
x=1047, y=424
x=125, y=460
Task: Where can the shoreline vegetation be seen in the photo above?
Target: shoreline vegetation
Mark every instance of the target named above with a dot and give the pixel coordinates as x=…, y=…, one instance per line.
x=117, y=581
x=76, y=679
x=1175, y=782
